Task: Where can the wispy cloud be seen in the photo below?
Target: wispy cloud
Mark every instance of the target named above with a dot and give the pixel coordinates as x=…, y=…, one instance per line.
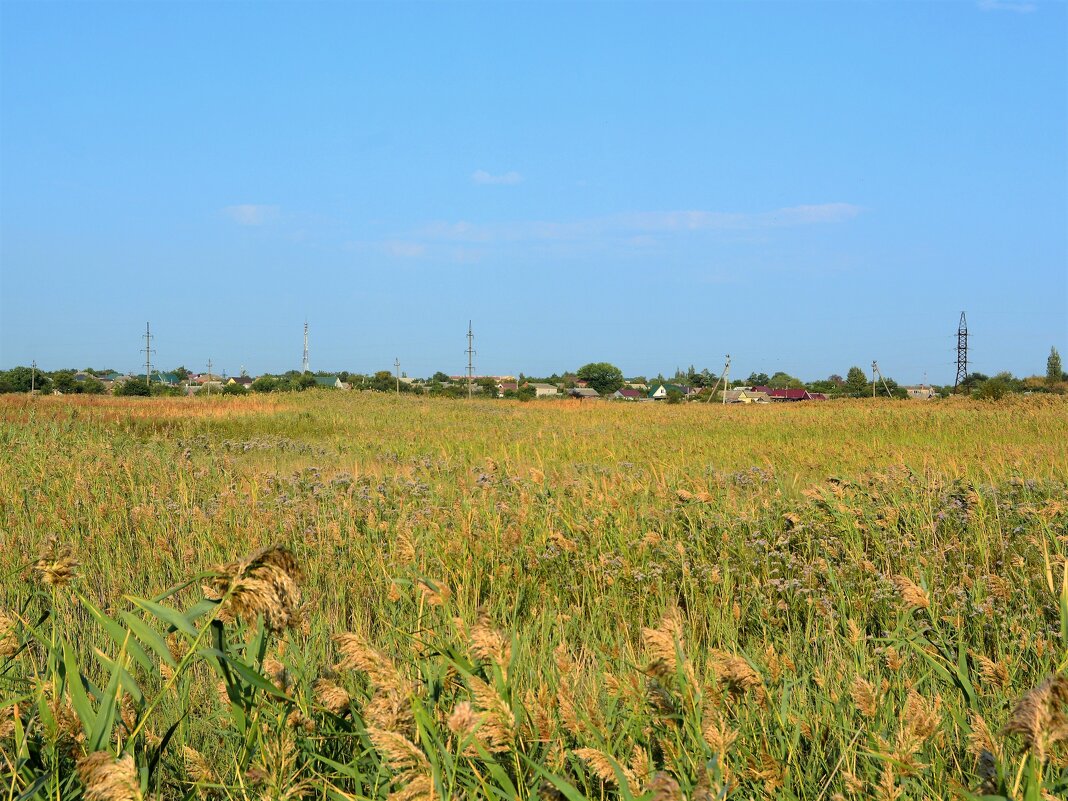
x=403, y=250
x=505, y=179
x=642, y=224
x=251, y=213
x=1007, y=5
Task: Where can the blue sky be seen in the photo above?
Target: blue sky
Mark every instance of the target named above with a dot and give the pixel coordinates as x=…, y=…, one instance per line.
x=806, y=186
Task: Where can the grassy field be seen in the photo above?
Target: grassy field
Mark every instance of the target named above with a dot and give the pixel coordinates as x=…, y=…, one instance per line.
x=362, y=596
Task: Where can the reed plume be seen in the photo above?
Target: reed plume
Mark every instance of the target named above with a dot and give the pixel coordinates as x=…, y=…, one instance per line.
x=107, y=778
x=264, y=583
x=1039, y=716
x=55, y=566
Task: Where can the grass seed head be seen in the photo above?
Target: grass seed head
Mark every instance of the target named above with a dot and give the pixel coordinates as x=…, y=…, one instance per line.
x=264, y=583
x=107, y=778
x=1039, y=716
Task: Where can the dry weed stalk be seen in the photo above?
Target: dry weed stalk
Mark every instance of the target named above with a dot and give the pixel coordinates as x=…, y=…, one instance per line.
x=197, y=766
x=663, y=787
x=9, y=641
x=1039, y=716
x=863, y=695
x=489, y=645
x=264, y=583
x=331, y=696
x=911, y=594
x=411, y=769
x=107, y=778
x=607, y=769
x=496, y=728
x=55, y=566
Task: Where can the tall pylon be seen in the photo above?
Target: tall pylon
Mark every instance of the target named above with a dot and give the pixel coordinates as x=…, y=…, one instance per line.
x=470, y=361
x=148, y=349
x=306, y=368
x=962, y=352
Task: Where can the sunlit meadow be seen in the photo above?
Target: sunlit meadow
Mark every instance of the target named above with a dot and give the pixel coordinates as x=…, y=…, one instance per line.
x=359, y=596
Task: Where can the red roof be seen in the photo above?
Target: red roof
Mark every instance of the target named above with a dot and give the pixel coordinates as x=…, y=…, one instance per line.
x=630, y=393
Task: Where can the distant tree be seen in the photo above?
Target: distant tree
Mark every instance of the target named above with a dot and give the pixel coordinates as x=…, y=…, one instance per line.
x=20, y=379
x=303, y=381
x=64, y=381
x=488, y=387
x=440, y=377
x=93, y=386
x=527, y=393
x=856, y=382
x=165, y=390
x=638, y=379
x=383, y=381
x=182, y=373
x=674, y=396
x=783, y=380
x=265, y=383
x=132, y=387
x=992, y=389
x=758, y=380
x=234, y=389
x=604, y=377
x=1054, y=371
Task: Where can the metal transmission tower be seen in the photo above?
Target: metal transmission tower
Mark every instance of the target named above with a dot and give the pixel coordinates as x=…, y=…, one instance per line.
x=470, y=360
x=962, y=352
x=306, y=368
x=149, y=350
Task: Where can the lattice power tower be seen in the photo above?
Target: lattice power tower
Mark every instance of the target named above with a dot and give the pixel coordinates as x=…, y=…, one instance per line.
x=962, y=352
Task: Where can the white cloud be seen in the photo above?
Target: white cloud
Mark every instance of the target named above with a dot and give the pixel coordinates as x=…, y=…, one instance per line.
x=403, y=250
x=1007, y=5
x=507, y=179
x=251, y=213
x=636, y=224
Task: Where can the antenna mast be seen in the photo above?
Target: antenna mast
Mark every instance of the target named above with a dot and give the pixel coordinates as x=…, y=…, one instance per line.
x=396, y=363
x=962, y=352
x=149, y=350
x=306, y=370
x=470, y=362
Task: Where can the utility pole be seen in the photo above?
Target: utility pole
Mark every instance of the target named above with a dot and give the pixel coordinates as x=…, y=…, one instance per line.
x=148, y=355
x=875, y=369
x=962, y=352
x=33, y=378
x=470, y=361
x=396, y=363
x=209, y=369
x=306, y=368
x=725, y=378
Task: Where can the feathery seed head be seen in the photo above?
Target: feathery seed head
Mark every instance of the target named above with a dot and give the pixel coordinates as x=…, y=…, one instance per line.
x=107, y=778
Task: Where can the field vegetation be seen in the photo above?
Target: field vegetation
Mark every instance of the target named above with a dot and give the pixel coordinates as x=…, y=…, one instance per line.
x=359, y=596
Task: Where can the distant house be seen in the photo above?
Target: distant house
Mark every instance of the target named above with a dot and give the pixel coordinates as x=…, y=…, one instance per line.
x=544, y=390
x=329, y=381
x=660, y=391
x=241, y=380
x=745, y=396
x=158, y=377
x=790, y=395
x=507, y=386
x=584, y=393
x=922, y=392
x=628, y=394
